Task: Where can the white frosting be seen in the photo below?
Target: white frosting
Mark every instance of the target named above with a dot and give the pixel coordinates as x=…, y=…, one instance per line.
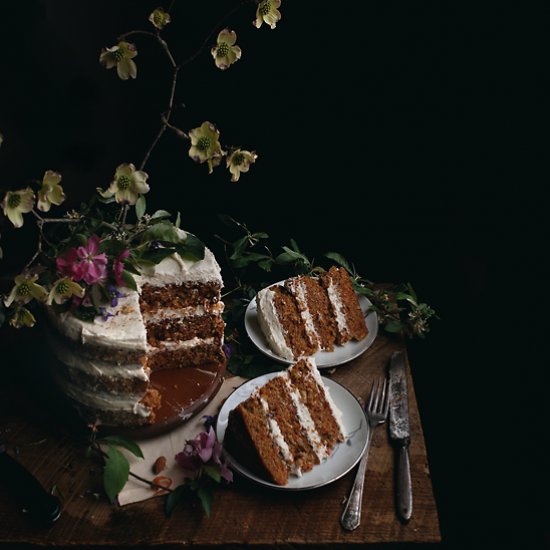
x=190, y=311
x=276, y=434
x=298, y=288
x=96, y=367
x=270, y=324
x=125, y=330
x=336, y=302
x=319, y=448
x=129, y=403
x=336, y=412
x=175, y=270
x=181, y=344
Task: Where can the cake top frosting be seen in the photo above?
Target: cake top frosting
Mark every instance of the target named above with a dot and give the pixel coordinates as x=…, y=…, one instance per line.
x=176, y=270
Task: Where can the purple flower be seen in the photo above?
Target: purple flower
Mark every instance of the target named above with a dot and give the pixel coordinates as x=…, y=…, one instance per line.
x=105, y=313
x=114, y=294
x=204, y=449
x=228, y=350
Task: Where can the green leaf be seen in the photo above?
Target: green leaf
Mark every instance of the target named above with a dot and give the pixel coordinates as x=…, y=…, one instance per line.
x=141, y=205
x=124, y=442
x=260, y=235
x=266, y=265
x=96, y=295
x=115, y=473
x=191, y=249
x=393, y=326
x=156, y=256
x=162, y=231
x=160, y=215
x=128, y=279
x=294, y=245
x=228, y=220
x=173, y=498
x=205, y=496
x=132, y=268
x=238, y=246
x=177, y=223
x=213, y=471
x=340, y=260
x=105, y=200
x=284, y=258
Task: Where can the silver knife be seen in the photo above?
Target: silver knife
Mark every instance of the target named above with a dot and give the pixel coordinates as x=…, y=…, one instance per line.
x=400, y=434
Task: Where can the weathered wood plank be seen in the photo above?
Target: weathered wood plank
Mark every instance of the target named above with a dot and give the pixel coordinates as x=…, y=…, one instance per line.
x=242, y=512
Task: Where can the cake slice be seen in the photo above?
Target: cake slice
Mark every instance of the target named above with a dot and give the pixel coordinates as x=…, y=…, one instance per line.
x=287, y=426
x=283, y=325
x=345, y=306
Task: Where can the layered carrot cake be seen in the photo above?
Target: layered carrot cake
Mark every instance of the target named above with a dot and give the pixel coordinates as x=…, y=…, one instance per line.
x=309, y=314
x=287, y=426
x=172, y=321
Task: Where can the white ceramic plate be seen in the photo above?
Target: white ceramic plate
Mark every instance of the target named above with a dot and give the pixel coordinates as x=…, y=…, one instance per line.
x=345, y=455
x=323, y=359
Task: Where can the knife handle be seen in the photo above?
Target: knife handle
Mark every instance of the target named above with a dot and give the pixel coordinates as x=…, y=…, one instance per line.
x=404, y=499
x=42, y=507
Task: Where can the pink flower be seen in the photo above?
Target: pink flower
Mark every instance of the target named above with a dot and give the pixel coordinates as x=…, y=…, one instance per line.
x=118, y=267
x=68, y=265
x=84, y=263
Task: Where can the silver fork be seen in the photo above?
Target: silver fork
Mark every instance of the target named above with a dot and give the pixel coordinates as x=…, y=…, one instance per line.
x=377, y=411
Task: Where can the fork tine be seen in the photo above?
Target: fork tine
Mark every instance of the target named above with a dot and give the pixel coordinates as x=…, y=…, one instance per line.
x=371, y=396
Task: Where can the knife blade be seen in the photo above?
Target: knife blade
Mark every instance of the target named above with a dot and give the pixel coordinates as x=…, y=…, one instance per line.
x=400, y=434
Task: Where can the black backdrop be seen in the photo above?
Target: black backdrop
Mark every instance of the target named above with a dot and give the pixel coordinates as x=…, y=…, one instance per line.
x=382, y=131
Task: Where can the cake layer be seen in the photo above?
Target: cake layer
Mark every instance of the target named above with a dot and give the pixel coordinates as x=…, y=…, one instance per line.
x=107, y=408
x=98, y=375
x=122, y=331
x=174, y=357
x=155, y=298
x=182, y=329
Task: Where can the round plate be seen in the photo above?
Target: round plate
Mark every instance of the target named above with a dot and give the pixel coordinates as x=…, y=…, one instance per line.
x=184, y=391
x=345, y=455
x=323, y=359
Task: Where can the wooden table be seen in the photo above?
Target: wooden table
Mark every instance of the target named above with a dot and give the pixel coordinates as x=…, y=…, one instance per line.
x=242, y=512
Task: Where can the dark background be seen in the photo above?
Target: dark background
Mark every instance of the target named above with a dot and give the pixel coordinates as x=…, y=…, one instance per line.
x=388, y=131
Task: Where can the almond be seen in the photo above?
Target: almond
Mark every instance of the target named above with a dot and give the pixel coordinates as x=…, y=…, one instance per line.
x=159, y=465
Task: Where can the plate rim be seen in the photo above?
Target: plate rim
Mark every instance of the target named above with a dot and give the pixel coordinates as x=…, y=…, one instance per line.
x=232, y=462
x=266, y=350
